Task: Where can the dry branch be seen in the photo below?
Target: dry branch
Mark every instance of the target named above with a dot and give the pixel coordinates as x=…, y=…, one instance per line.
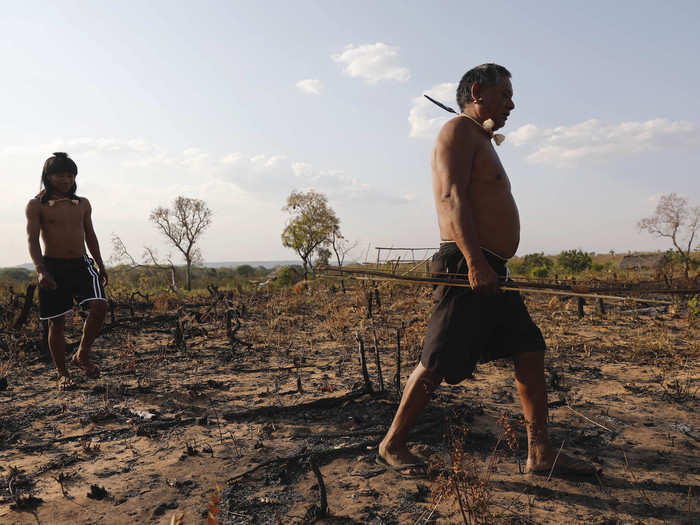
x=323, y=403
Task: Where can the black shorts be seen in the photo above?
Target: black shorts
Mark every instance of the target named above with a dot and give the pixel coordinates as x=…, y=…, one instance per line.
x=465, y=328
x=75, y=279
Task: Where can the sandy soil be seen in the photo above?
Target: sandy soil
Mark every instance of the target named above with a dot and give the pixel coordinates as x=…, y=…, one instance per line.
x=167, y=422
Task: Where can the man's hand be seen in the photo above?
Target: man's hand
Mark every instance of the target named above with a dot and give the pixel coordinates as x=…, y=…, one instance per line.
x=483, y=279
x=46, y=281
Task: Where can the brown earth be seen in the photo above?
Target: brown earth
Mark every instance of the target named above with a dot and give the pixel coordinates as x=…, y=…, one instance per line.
x=167, y=422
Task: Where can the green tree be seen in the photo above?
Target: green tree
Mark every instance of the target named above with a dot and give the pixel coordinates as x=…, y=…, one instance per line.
x=183, y=225
x=310, y=224
x=574, y=261
x=534, y=260
x=245, y=270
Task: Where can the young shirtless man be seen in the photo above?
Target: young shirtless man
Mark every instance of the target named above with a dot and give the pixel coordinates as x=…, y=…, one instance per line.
x=480, y=231
x=65, y=271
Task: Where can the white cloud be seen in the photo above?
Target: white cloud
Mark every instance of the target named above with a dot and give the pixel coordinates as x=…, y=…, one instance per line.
x=424, y=117
x=594, y=140
x=311, y=86
x=125, y=179
x=372, y=62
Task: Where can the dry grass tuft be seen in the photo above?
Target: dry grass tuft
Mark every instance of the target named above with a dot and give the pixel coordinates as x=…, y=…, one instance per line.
x=466, y=482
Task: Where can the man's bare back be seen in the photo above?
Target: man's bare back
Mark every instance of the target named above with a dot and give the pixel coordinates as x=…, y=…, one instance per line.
x=484, y=182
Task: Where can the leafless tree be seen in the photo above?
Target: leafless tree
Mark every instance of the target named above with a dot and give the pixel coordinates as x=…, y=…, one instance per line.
x=183, y=225
x=150, y=259
x=340, y=245
x=674, y=219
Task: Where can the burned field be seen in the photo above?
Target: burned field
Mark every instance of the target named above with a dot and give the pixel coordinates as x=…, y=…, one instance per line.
x=254, y=407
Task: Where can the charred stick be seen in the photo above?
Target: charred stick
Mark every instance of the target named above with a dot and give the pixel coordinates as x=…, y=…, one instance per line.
x=363, y=363
x=323, y=500
x=26, y=307
x=397, y=376
x=380, y=377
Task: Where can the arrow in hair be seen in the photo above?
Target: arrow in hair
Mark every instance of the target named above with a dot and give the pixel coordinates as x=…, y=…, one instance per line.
x=443, y=106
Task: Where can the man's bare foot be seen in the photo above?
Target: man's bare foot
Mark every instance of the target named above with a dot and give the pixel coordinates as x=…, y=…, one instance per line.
x=90, y=369
x=565, y=464
x=401, y=461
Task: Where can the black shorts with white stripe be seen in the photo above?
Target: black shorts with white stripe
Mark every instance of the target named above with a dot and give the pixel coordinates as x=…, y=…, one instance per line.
x=76, y=279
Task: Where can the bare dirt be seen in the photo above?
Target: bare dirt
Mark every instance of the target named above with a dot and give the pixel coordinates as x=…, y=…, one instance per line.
x=172, y=417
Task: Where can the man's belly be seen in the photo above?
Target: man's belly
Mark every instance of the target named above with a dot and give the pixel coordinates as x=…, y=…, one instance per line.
x=497, y=224
x=64, y=247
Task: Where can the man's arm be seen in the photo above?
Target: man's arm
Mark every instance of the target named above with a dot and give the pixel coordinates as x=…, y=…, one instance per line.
x=33, y=213
x=91, y=241
x=454, y=158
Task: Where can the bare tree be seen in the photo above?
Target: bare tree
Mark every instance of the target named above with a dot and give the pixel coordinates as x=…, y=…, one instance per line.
x=150, y=259
x=340, y=245
x=674, y=219
x=183, y=225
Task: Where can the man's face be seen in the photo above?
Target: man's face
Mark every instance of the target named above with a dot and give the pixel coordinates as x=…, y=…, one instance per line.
x=62, y=182
x=497, y=102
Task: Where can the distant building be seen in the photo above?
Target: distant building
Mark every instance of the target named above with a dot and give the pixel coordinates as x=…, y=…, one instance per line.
x=644, y=261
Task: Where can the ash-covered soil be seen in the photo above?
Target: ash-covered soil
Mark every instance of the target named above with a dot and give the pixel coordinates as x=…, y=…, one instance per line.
x=186, y=420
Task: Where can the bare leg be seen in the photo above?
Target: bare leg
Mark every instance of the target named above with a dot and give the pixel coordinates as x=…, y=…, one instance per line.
x=91, y=328
x=57, y=344
x=529, y=378
x=419, y=388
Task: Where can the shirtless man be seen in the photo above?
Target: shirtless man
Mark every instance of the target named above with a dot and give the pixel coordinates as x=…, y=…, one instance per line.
x=65, y=271
x=480, y=230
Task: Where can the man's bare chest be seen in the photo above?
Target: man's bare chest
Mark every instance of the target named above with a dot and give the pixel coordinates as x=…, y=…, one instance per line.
x=488, y=170
x=64, y=215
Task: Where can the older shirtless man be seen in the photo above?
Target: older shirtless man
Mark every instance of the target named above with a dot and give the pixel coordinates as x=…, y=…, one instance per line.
x=64, y=270
x=480, y=231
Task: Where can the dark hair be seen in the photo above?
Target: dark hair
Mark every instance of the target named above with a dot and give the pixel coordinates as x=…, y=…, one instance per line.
x=484, y=75
x=59, y=163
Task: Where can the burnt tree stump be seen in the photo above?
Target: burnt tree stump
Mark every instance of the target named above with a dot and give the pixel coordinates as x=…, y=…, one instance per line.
x=26, y=307
x=601, y=307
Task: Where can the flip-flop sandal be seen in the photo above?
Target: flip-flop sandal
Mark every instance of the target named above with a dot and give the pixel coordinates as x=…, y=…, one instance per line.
x=405, y=466
x=65, y=383
x=91, y=370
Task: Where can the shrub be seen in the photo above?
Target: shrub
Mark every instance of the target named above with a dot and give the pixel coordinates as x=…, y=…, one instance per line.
x=16, y=276
x=540, y=272
x=287, y=276
x=531, y=261
x=694, y=307
x=574, y=261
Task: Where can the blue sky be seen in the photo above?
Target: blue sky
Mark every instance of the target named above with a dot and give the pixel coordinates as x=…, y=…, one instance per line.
x=238, y=103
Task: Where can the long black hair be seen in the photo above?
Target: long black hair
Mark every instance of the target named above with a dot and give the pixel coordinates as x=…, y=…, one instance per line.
x=59, y=163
